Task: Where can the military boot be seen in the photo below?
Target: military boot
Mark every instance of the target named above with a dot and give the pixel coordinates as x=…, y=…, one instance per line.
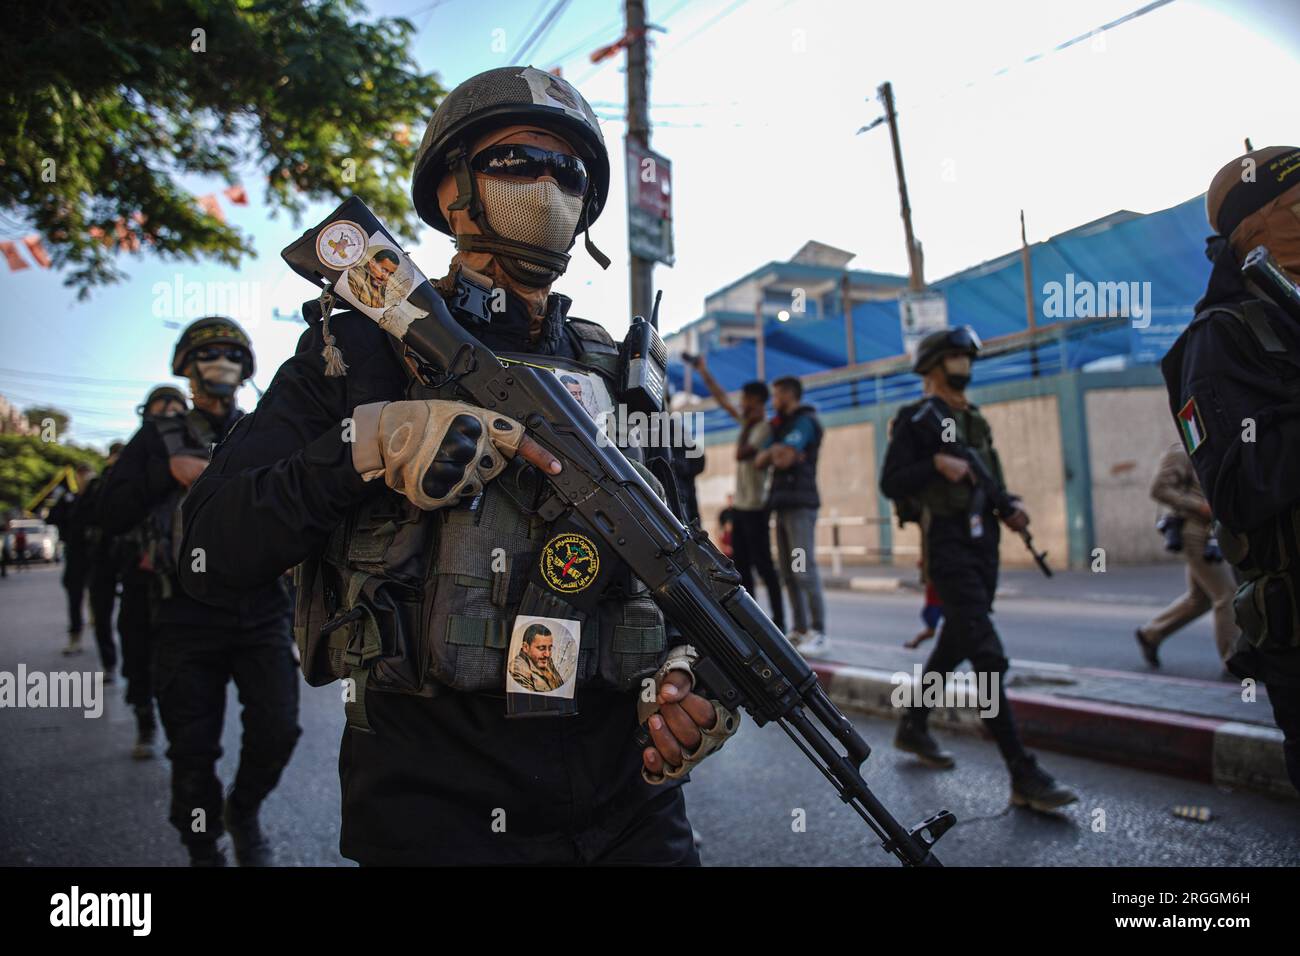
x=251, y=847
x=206, y=854
x=914, y=737
x=1033, y=787
x=146, y=733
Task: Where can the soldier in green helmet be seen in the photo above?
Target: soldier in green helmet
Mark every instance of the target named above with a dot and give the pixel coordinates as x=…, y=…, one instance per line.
x=198, y=649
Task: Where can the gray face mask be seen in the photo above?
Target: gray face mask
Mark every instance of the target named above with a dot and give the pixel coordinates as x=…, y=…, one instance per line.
x=539, y=213
x=220, y=377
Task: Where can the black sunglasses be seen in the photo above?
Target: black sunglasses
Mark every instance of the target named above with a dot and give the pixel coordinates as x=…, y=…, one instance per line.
x=208, y=353
x=533, y=162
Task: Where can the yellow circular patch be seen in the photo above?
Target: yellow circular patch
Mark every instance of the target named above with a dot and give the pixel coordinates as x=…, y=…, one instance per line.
x=570, y=562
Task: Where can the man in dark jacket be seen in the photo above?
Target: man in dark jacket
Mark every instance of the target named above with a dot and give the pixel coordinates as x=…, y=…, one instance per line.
x=792, y=448
x=70, y=519
x=135, y=618
x=410, y=515
x=1233, y=379
x=198, y=649
x=103, y=571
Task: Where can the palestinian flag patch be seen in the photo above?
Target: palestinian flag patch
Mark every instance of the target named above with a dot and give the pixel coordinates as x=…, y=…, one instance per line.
x=1189, y=419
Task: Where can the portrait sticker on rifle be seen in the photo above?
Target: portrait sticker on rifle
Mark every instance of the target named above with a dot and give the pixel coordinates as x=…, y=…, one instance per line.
x=543, y=656
x=379, y=284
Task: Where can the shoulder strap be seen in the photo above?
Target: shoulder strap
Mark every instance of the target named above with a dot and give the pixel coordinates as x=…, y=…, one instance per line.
x=589, y=331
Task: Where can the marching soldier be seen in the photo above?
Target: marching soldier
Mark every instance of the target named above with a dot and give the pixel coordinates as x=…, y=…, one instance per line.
x=198, y=649
x=422, y=560
x=934, y=486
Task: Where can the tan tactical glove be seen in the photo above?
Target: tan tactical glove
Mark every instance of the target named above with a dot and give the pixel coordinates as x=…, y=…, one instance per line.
x=432, y=451
x=726, y=722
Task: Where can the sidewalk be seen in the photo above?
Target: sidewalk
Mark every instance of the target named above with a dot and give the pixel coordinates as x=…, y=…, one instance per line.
x=1201, y=730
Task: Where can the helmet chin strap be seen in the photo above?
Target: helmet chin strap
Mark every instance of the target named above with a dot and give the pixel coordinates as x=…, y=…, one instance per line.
x=511, y=253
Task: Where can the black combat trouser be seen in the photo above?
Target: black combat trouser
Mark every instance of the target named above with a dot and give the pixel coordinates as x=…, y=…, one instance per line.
x=965, y=575
x=451, y=781
x=75, y=572
x=103, y=595
x=1286, y=711
x=751, y=547
x=192, y=666
x=133, y=623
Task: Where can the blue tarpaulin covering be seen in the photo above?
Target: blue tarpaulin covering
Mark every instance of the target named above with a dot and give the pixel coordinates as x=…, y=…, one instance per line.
x=1159, y=258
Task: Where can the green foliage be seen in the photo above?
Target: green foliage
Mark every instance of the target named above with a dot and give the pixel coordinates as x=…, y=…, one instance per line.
x=125, y=98
x=38, y=413
x=27, y=464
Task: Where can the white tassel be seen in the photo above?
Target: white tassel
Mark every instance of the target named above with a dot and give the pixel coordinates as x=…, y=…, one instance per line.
x=335, y=367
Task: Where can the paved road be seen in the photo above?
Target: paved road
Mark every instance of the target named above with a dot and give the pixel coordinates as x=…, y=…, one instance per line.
x=1077, y=632
x=72, y=796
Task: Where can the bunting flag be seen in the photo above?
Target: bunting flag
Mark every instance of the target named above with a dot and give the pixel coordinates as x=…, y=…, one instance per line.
x=10, y=251
x=125, y=239
x=36, y=249
x=121, y=237
x=210, y=205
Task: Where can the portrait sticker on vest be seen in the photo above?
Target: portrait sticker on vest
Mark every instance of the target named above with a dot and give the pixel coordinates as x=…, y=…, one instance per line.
x=1193, y=427
x=541, y=666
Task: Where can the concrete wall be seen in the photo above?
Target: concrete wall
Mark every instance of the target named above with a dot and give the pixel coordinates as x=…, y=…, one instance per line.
x=1027, y=436
x=1108, y=458
x=1128, y=431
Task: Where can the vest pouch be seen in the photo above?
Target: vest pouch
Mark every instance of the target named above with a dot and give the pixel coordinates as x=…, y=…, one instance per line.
x=320, y=663
x=385, y=636
x=477, y=581
x=632, y=641
x=1268, y=613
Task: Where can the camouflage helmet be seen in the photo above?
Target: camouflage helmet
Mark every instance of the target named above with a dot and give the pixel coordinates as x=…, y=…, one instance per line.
x=170, y=392
x=212, y=330
x=938, y=344
x=507, y=96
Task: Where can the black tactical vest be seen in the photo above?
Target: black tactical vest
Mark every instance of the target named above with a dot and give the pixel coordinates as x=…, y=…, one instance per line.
x=419, y=602
x=796, y=486
x=1267, y=603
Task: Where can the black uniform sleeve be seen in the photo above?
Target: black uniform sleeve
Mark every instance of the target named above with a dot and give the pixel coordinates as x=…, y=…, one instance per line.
x=141, y=479
x=909, y=463
x=283, y=478
x=1248, y=483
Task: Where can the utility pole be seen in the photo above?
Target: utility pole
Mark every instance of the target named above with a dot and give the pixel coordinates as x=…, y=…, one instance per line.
x=915, y=264
x=641, y=271
x=1031, y=313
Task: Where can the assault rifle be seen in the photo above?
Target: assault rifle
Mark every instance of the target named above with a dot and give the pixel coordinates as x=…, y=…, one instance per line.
x=1262, y=269
x=987, y=488
x=744, y=661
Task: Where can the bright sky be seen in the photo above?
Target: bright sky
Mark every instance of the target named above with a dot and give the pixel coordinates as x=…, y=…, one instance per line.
x=757, y=103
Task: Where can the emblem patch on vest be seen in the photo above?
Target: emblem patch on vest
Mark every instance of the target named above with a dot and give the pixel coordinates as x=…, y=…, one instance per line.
x=1193, y=428
x=570, y=563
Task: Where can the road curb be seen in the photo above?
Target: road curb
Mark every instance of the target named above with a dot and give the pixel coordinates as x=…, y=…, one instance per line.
x=1209, y=749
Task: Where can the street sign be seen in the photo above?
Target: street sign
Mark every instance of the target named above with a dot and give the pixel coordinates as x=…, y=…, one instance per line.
x=921, y=313
x=649, y=204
